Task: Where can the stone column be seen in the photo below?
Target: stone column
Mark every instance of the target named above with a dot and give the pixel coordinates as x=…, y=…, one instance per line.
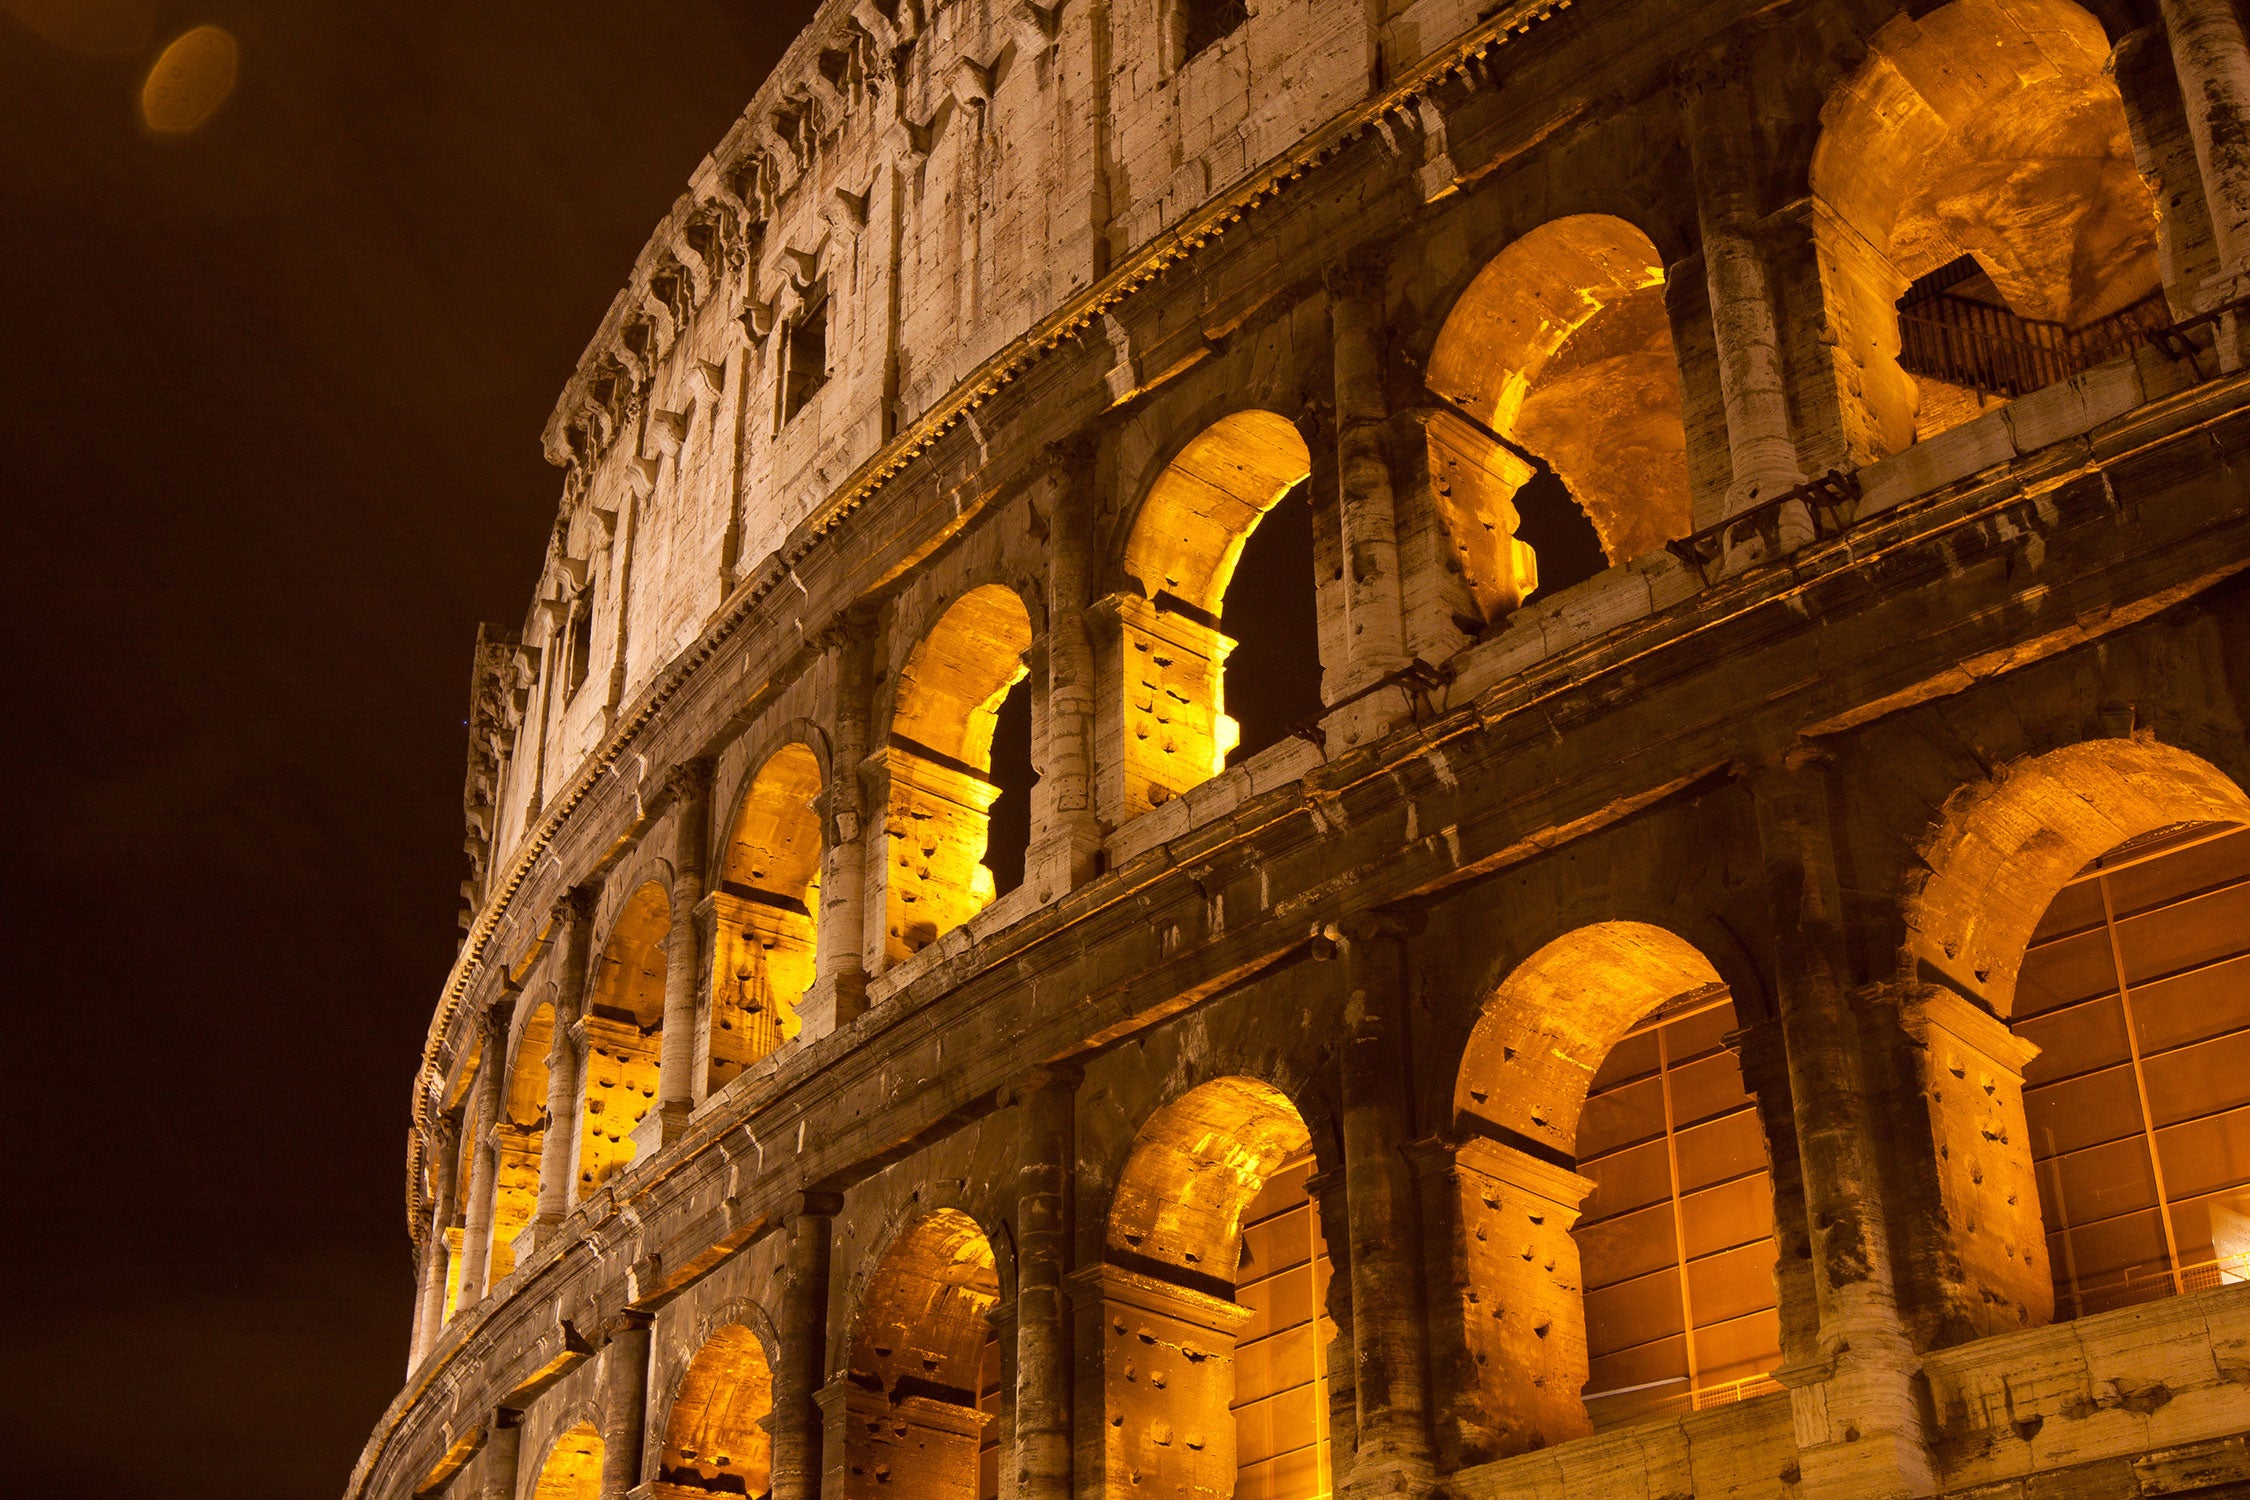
x=1723, y=144
x=1390, y=1341
x=839, y=987
x=1374, y=643
x=1047, y=1152
x=492, y=1071
x=1063, y=852
x=503, y=1443
x=1862, y=1424
x=444, y=1147
x=558, y=1151
x=803, y=1335
x=624, y=1403
x=1507, y=1303
x=2213, y=62
x=683, y=956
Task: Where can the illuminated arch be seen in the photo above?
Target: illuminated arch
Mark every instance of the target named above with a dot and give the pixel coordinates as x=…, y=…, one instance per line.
x=940, y=759
x=1612, y=1211
x=1987, y=129
x=1561, y=349
x=573, y=1468
x=1214, y=1338
x=921, y=1359
x=521, y=1135
x=2004, y=848
x=624, y=1023
x=1179, y=559
x=715, y=1441
x=766, y=913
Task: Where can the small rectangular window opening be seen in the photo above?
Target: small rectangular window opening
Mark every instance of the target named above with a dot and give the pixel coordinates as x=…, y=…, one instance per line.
x=1203, y=22
x=805, y=359
x=580, y=649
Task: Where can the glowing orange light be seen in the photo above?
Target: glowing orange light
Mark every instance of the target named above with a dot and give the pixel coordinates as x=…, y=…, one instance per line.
x=190, y=81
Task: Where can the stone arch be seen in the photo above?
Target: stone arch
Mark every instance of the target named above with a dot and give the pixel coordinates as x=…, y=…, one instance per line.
x=1975, y=178
x=2002, y=849
x=1213, y=1281
x=624, y=1024
x=572, y=1469
x=1559, y=350
x=765, y=912
x=940, y=763
x=907, y=1415
x=521, y=1134
x=715, y=1437
x=1598, y=1082
x=1179, y=557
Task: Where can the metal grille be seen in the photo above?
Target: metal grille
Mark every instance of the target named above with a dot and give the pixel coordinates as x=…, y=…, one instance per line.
x=1990, y=350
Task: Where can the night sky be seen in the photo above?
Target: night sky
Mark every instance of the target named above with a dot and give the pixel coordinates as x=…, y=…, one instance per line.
x=272, y=400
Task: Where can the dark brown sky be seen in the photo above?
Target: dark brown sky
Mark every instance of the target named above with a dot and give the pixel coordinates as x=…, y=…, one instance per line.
x=270, y=398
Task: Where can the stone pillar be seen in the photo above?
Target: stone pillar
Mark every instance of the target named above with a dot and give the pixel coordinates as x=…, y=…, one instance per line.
x=683, y=957
x=1156, y=1362
x=624, y=1404
x=803, y=1336
x=1507, y=1304
x=1047, y=1154
x=1723, y=144
x=1390, y=1345
x=1987, y=1244
x=1374, y=643
x=910, y=1446
x=444, y=1147
x=558, y=1150
x=478, y=1140
x=1064, y=850
x=2213, y=62
x=503, y=1444
x=1861, y=1426
x=848, y=920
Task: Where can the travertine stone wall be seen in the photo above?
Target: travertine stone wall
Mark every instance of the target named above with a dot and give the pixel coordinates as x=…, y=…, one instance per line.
x=752, y=1127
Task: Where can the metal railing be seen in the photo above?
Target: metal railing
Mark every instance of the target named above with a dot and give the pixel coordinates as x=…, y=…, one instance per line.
x=1993, y=352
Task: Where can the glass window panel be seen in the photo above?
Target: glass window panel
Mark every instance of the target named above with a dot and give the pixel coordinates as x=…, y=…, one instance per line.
x=2200, y=1003
x=2081, y=1112
x=2097, y=1254
x=1626, y=1247
x=2064, y=972
x=1627, y=1113
x=1737, y=1348
x=1631, y=1179
x=1645, y=1364
x=2078, y=907
x=2198, y=1080
x=1698, y=1033
x=2205, y=1156
x=2100, y=1183
x=1734, y=1213
x=1634, y=1312
x=2199, y=867
x=1634, y=1057
x=1720, y=1149
x=1706, y=1088
x=1731, y=1283
x=2072, y=1039
x=2195, y=931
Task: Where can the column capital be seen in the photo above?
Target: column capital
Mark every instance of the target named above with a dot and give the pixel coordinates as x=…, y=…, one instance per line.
x=1071, y=457
x=1383, y=922
x=1358, y=275
x=622, y=1323
x=690, y=777
x=1046, y=1078
x=574, y=905
x=811, y=1203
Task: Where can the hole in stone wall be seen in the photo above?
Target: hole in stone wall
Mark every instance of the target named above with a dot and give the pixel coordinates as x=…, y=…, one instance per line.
x=1009, y=835
x=1272, y=680
x=806, y=365
x=1558, y=532
x=580, y=649
x=1204, y=22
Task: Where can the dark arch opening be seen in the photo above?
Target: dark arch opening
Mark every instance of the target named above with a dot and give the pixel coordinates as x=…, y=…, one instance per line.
x=1558, y=531
x=1273, y=613
x=1009, y=834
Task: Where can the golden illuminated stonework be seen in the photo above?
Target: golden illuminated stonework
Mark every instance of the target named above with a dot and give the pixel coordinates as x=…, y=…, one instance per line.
x=1726, y=979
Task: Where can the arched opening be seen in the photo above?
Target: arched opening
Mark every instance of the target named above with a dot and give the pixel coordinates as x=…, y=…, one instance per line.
x=765, y=914
x=521, y=1135
x=1984, y=231
x=2096, y=900
x=573, y=1470
x=921, y=1387
x=1559, y=360
x=1214, y=1339
x=950, y=694
x=715, y=1442
x=1186, y=545
x=624, y=1022
x=1613, y=1197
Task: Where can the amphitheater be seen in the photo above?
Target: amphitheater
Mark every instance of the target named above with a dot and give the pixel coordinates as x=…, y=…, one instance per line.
x=1289, y=748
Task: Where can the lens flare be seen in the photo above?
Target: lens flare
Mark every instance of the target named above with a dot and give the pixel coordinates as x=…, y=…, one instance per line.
x=190, y=81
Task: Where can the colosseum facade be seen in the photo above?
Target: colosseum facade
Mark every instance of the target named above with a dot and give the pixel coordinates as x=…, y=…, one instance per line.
x=1289, y=748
